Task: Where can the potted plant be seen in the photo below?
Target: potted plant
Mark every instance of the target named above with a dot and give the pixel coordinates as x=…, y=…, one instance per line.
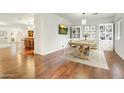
x=86, y=35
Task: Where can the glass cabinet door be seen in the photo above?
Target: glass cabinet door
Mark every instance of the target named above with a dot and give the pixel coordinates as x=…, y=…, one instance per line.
x=106, y=36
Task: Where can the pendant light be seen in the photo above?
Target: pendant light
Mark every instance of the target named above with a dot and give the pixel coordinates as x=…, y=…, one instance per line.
x=84, y=21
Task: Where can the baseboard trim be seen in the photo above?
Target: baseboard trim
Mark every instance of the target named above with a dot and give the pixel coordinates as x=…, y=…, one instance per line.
x=122, y=58
x=51, y=52
x=57, y=51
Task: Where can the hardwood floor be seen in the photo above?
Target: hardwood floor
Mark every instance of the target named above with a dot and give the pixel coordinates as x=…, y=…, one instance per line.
x=17, y=63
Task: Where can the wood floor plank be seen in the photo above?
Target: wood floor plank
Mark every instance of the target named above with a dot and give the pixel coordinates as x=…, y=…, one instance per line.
x=18, y=63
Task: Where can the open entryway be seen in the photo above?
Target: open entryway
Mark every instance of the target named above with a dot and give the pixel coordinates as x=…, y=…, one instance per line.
x=16, y=30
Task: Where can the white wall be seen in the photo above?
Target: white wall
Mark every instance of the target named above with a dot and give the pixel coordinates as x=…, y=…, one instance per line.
x=19, y=33
x=47, y=39
x=100, y=21
x=39, y=34
x=119, y=44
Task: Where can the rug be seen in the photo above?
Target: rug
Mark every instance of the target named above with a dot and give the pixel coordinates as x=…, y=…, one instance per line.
x=97, y=59
x=6, y=76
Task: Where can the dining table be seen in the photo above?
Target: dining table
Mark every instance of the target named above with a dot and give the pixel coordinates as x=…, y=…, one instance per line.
x=82, y=48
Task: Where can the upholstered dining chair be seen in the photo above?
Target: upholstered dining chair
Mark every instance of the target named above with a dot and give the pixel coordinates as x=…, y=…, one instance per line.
x=73, y=49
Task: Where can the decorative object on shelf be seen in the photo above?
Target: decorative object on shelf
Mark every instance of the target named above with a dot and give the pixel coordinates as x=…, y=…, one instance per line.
x=13, y=36
x=84, y=21
x=102, y=28
x=63, y=29
x=108, y=28
x=109, y=36
x=92, y=28
x=93, y=35
x=102, y=36
x=30, y=33
x=12, y=39
x=87, y=28
x=86, y=35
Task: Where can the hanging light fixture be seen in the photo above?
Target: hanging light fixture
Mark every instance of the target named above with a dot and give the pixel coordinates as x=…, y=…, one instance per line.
x=83, y=21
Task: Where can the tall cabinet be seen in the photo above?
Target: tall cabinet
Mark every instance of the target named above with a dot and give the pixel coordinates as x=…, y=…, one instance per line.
x=106, y=36
x=75, y=32
x=89, y=32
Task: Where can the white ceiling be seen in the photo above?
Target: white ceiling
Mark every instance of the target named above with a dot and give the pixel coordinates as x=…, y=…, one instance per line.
x=77, y=17
x=16, y=19
x=26, y=19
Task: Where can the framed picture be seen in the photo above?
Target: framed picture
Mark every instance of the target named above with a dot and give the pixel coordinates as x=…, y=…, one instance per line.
x=30, y=33
x=118, y=30
x=92, y=28
x=63, y=29
x=87, y=28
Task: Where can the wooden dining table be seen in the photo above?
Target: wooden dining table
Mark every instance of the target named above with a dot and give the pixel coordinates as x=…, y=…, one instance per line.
x=82, y=48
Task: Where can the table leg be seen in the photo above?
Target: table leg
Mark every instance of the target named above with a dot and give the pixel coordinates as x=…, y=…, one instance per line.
x=81, y=53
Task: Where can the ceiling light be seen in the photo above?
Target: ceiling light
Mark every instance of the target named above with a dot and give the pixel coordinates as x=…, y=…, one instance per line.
x=95, y=13
x=84, y=21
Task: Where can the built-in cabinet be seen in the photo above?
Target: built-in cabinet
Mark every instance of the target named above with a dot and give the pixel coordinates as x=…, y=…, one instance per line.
x=7, y=36
x=102, y=34
x=3, y=37
x=106, y=36
x=75, y=32
x=89, y=32
x=29, y=41
x=10, y=34
x=83, y=32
